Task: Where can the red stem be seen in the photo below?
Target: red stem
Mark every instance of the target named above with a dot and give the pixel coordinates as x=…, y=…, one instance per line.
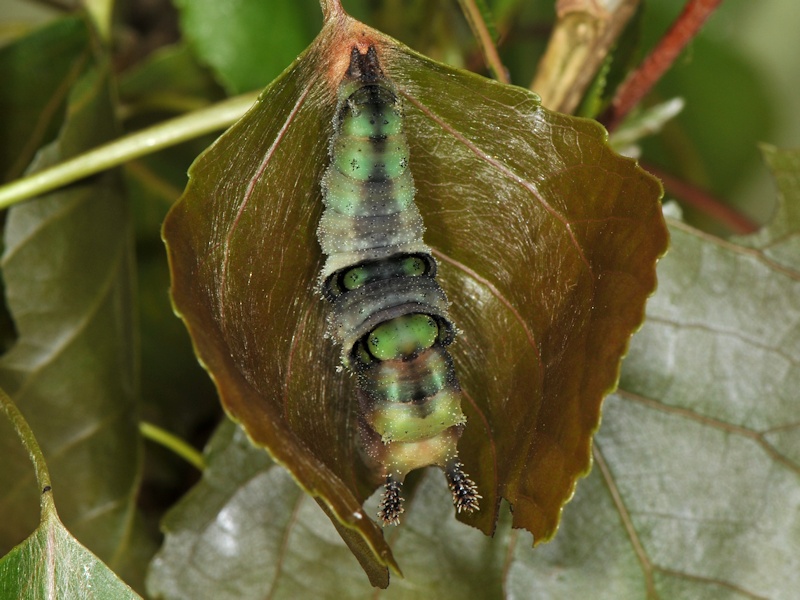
x=642, y=80
x=705, y=203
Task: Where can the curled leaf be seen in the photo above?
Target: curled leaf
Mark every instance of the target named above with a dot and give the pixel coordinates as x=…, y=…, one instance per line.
x=547, y=243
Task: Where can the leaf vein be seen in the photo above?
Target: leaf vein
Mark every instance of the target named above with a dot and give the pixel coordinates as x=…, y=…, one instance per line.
x=718, y=582
x=86, y=318
x=248, y=193
x=503, y=300
x=290, y=525
x=505, y=169
x=736, y=334
x=625, y=516
x=756, y=253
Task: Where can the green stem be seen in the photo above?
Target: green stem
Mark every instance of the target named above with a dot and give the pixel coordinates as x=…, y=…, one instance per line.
x=25, y=434
x=480, y=30
x=127, y=148
x=162, y=437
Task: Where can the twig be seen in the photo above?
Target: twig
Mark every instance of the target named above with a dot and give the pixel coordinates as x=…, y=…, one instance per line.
x=705, y=202
x=140, y=143
x=481, y=32
x=642, y=80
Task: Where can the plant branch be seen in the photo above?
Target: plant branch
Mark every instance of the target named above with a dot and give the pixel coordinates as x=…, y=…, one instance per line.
x=705, y=202
x=127, y=148
x=481, y=32
x=661, y=58
x=584, y=32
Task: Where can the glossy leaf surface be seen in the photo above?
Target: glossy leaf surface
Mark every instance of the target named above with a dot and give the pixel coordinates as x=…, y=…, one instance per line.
x=547, y=243
x=68, y=275
x=695, y=492
x=244, y=528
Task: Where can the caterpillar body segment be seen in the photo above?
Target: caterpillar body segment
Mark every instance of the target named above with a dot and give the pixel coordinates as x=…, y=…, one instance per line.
x=389, y=313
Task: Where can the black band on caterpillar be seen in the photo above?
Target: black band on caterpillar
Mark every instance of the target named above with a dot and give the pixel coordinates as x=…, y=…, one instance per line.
x=356, y=276
x=357, y=313
x=389, y=312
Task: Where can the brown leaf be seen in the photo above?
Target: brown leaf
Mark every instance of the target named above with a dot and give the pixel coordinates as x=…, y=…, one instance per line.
x=547, y=243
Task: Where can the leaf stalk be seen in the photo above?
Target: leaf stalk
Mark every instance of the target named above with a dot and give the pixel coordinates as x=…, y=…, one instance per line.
x=171, y=442
x=705, y=202
x=25, y=433
x=331, y=9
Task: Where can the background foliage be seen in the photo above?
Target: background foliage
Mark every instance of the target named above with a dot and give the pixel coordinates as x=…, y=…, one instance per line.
x=695, y=491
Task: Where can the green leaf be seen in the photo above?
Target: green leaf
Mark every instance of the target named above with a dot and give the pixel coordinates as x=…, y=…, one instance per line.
x=547, y=244
x=698, y=489
x=642, y=124
x=231, y=38
x=174, y=390
x=486, y=14
x=31, y=107
x=170, y=79
x=51, y=563
x=251, y=526
x=779, y=241
x=246, y=530
x=68, y=274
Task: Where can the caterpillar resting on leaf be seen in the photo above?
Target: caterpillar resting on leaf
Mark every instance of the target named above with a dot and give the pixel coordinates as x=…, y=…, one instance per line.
x=389, y=312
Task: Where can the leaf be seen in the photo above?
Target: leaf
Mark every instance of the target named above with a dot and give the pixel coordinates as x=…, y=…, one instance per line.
x=779, y=241
x=548, y=295
x=246, y=531
x=645, y=123
x=243, y=529
x=31, y=108
x=232, y=41
x=51, y=563
x=546, y=240
x=169, y=79
x=681, y=503
x=68, y=274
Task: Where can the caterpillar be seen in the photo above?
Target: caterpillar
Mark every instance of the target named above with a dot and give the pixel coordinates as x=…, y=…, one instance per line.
x=389, y=313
